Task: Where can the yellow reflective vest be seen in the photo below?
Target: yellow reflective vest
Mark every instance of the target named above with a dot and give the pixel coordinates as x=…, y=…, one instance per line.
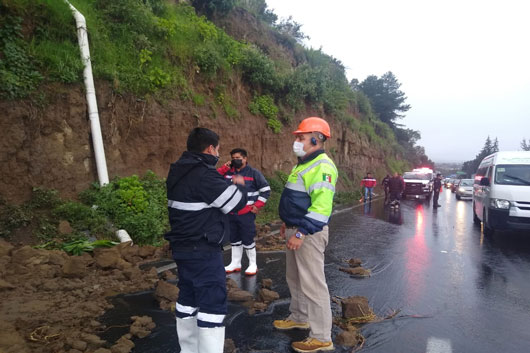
x=307, y=200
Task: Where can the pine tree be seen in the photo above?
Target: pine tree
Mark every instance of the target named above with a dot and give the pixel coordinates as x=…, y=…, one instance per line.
x=525, y=145
x=470, y=167
x=495, y=147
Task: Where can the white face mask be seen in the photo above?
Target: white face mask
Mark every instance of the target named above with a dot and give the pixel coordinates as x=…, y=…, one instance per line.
x=298, y=149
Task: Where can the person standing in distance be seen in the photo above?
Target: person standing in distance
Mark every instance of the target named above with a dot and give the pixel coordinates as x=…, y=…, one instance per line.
x=395, y=189
x=199, y=200
x=436, y=187
x=385, y=186
x=305, y=208
x=369, y=184
x=242, y=223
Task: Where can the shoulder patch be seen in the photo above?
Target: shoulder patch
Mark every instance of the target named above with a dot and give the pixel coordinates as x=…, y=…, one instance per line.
x=326, y=177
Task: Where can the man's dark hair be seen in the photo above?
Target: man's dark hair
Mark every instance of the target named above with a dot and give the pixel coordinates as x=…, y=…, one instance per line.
x=200, y=138
x=240, y=151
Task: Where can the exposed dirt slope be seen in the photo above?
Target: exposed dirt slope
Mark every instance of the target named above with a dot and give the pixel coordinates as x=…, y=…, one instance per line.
x=51, y=146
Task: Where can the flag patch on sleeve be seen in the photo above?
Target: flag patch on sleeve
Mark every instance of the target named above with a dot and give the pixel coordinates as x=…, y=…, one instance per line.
x=326, y=177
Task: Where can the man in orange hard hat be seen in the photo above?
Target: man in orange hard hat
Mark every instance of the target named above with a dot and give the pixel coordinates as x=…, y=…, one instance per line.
x=305, y=207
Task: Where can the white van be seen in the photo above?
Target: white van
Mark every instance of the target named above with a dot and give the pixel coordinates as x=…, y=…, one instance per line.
x=501, y=192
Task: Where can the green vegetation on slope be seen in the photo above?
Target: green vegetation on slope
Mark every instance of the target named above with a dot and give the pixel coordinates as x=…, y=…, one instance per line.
x=153, y=47
x=137, y=204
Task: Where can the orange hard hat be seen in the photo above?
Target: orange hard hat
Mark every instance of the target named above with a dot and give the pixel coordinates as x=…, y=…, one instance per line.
x=314, y=124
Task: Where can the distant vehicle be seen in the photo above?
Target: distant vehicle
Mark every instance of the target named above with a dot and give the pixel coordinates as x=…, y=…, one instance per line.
x=465, y=189
x=418, y=183
x=501, y=192
x=454, y=185
x=449, y=183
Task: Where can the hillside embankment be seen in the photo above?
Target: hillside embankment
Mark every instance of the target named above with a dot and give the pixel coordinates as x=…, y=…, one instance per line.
x=50, y=146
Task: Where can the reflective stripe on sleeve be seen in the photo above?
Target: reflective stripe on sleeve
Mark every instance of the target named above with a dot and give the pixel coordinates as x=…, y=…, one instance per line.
x=225, y=196
x=256, y=193
x=317, y=163
x=250, y=203
x=213, y=318
x=232, y=203
x=262, y=199
x=266, y=188
x=298, y=186
x=187, y=206
x=317, y=217
x=320, y=185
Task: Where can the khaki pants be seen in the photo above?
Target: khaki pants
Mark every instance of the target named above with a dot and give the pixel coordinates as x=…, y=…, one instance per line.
x=310, y=300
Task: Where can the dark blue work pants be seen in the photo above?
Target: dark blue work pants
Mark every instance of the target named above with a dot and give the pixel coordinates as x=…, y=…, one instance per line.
x=202, y=285
x=243, y=230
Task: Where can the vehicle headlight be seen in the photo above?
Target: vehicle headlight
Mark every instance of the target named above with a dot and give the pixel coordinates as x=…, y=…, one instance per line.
x=461, y=189
x=498, y=203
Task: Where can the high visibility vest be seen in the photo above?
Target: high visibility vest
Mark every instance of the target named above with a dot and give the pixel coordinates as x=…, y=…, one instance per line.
x=307, y=200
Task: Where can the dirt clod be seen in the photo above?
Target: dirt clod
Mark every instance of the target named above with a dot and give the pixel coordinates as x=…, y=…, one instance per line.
x=123, y=345
x=142, y=326
x=356, y=307
x=266, y=283
x=65, y=228
x=238, y=295
x=74, y=267
x=166, y=294
x=354, y=262
x=49, y=300
x=268, y=296
x=357, y=271
x=5, y=248
x=229, y=346
x=348, y=338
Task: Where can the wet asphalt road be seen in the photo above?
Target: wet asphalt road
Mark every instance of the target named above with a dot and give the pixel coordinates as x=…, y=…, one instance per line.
x=456, y=290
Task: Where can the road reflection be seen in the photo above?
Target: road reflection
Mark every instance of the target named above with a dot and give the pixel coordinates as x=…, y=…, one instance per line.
x=461, y=225
x=417, y=258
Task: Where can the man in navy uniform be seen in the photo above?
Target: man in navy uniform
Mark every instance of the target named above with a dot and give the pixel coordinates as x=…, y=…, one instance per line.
x=199, y=201
x=242, y=223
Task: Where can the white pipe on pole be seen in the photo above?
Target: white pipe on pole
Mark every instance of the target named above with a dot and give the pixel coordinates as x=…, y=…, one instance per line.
x=95, y=127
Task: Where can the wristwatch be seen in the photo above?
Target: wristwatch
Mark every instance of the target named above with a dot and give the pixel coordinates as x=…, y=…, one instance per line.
x=299, y=235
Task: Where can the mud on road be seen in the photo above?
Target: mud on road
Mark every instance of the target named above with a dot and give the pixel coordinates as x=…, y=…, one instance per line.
x=50, y=301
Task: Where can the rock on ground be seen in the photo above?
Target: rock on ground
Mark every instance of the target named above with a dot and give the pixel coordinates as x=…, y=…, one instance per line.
x=348, y=338
x=357, y=271
x=355, y=307
x=142, y=326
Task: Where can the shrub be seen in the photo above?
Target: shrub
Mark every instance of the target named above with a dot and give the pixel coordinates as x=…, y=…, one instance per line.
x=136, y=205
x=275, y=125
x=198, y=100
x=258, y=70
x=12, y=217
x=264, y=105
x=17, y=68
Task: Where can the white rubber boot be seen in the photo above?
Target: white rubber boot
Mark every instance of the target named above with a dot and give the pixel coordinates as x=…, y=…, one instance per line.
x=235, y=264
x=188, y=334
x=211, y=340
x=252, y=266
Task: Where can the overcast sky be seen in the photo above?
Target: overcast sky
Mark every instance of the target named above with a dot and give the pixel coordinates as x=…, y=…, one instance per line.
x=464, y=65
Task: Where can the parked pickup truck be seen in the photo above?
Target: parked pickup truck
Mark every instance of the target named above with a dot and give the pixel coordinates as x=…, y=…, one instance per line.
x=418, y=183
